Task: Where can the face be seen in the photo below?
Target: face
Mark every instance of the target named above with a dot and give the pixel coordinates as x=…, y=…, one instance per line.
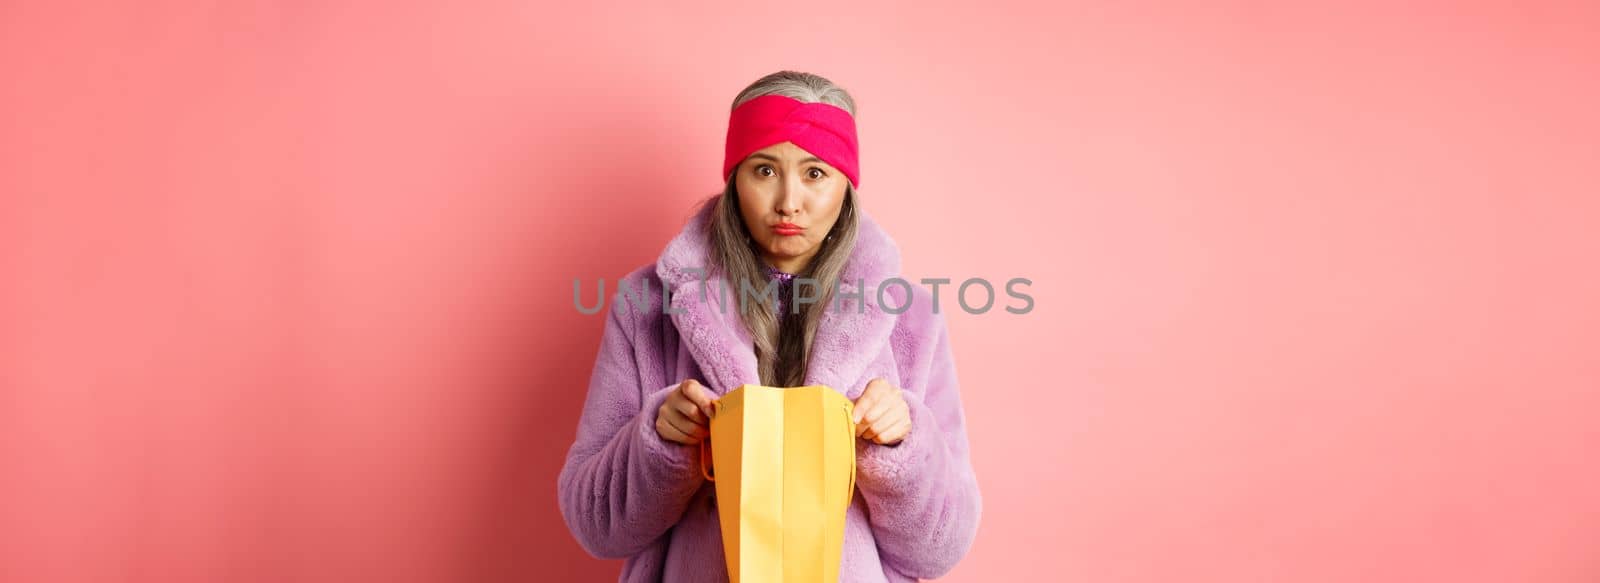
x=790, y=201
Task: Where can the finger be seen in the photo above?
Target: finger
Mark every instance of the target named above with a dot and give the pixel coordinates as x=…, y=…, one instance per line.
x=877, y=391
x=684, y=426
x=884, y=409
x=863, y=427
x=895, y=432
x=690, y=411
x=869, y=426
x=863, y=404
x=699, y=395
x=669, y=432
x=665, y=422
x=695, y=431
x=874, y=431
x=887, y=421
x=880, y=408
x=868, y=432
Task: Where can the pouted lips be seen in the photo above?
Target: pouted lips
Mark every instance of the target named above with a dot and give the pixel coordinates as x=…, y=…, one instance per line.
x=787, y=229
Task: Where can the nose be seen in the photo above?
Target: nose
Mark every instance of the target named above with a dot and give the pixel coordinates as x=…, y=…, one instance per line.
x=790, y=197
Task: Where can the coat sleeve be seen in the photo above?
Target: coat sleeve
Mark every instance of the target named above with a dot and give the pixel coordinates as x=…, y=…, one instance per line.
x=921, y=493
x=623, y=485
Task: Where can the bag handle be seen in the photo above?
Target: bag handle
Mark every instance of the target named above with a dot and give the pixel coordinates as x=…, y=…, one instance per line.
x=703, y=462
x=715, y=407
x=849, y=421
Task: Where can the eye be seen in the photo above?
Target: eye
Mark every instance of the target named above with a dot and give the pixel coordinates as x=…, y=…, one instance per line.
x=817, y=173
x=763, y=170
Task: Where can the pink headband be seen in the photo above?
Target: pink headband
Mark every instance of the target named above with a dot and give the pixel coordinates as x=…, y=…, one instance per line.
x=826, y=131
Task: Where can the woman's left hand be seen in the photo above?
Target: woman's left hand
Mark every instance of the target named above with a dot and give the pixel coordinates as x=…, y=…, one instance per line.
x=881, y=413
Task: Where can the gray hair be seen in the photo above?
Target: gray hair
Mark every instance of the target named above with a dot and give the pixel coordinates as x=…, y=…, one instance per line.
x=782, y=351
x=804, y=87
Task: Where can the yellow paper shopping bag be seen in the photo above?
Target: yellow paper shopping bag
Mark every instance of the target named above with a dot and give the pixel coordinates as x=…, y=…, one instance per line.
x=784, y=461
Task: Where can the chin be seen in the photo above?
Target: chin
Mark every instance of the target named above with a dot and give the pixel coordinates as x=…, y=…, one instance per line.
x=791, y=250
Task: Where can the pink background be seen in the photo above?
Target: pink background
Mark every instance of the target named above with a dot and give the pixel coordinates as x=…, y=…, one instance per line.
x=285, y=288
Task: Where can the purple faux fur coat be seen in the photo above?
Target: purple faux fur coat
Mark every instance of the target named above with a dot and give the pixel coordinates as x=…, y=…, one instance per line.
x=627, y=493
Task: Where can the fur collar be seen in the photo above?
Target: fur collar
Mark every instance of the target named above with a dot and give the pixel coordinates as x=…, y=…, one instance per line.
x=849, y=337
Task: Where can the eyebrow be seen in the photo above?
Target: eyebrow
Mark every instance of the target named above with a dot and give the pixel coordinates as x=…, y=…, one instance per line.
x=775, y=159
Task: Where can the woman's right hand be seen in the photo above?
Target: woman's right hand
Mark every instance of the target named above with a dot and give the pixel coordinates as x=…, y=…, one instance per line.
x=685, y=417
